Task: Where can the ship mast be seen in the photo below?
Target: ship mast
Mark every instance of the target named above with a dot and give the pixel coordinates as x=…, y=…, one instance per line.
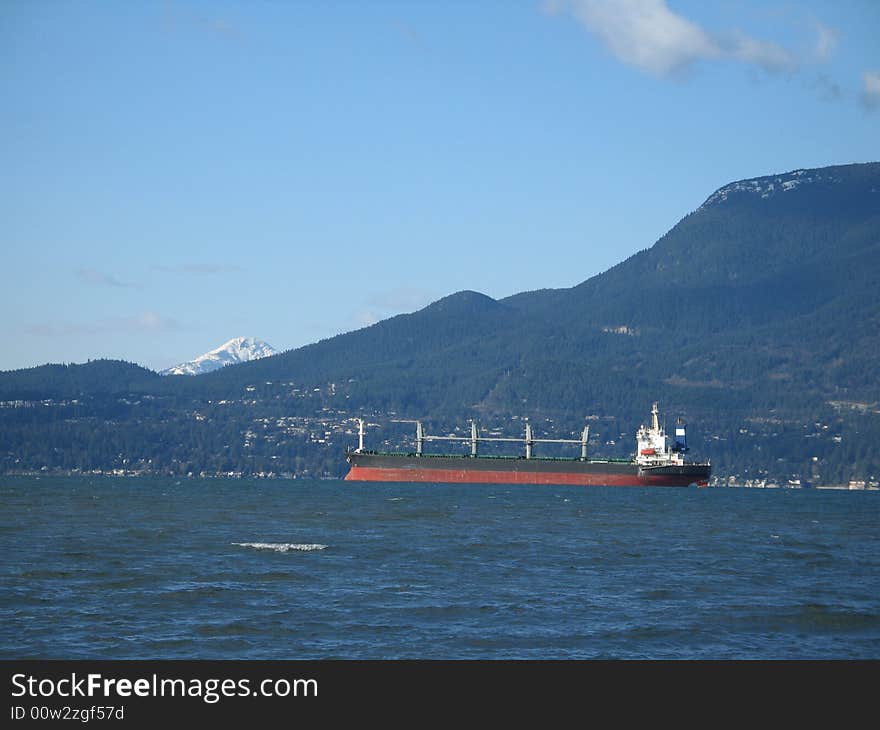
x=360, y=447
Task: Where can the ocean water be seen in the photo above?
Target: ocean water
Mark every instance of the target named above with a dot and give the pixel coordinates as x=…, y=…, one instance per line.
x=239, y=569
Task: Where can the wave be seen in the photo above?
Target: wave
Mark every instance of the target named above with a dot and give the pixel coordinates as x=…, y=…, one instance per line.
x=283, y=547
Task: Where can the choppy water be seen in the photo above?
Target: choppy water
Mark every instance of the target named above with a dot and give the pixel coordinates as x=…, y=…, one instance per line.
x=150, y=568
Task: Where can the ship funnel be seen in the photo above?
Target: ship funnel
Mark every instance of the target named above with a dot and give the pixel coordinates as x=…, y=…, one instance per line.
x=680, y=443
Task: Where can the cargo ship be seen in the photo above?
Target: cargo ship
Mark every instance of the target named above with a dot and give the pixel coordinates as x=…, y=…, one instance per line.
x=656, y=462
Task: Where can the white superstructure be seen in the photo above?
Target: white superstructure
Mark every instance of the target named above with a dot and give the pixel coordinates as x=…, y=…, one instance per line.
x=652, y=447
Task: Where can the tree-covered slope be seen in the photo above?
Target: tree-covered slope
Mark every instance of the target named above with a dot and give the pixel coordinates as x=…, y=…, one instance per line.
x=771, y=277
x=73, y=381
x=756, y=317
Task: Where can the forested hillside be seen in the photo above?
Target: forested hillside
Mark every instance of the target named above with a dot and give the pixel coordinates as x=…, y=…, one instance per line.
x=756, y=317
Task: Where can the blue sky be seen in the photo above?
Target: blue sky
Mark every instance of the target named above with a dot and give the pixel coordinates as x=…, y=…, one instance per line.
x=176, y=174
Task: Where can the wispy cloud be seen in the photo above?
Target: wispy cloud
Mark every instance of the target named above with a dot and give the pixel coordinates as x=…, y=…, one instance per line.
x=827, y=88
x=402, y=299
x=408, y=32
x=174, y=19
x=219, y=26
x=150, y=321
x=826, y=41
x=766, y=55
x=871, y=90
x=650, y=36
x=99, y=278
x=381, y=305
x=195, y=268
x=143, y=323
x=365, y=317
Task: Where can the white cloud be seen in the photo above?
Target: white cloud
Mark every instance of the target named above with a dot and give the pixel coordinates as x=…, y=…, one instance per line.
x=871, y=89
x=646, y=34
x=649, y=35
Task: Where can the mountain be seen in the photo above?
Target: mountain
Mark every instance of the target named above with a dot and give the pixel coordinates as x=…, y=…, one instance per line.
x=65, y=381
x=765, y=293
x=237, y=350
x=756, y=317
x=448, y=351
x=770, y=284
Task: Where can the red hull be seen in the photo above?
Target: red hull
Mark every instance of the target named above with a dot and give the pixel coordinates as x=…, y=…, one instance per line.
x=466, y=476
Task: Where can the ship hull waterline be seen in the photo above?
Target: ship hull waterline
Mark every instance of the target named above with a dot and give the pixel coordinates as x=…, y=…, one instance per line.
x=476, y=470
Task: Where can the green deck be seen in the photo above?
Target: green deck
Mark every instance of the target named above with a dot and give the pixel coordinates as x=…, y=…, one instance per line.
x=413, y=454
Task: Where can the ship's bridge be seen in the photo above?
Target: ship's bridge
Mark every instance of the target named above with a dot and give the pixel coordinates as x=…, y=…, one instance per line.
x=652, y=445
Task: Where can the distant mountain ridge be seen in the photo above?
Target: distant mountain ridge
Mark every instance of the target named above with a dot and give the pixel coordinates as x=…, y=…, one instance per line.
x=771, y=185
x=755, y=317
x=236, y=350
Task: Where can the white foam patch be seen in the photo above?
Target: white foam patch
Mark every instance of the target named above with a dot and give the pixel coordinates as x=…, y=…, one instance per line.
x=283, y=547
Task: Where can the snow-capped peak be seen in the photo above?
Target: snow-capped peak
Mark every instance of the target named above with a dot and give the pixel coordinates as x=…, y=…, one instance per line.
x=238, y=349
